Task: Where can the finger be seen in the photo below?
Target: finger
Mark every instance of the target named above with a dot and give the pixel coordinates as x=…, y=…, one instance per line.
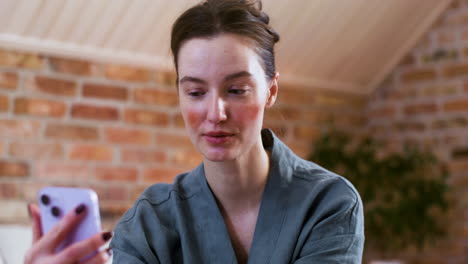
x=36, y=221
x=56, y=235
x=102, y=257
x=83, y=248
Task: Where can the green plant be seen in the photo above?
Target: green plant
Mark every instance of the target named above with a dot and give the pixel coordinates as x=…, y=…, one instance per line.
x=404, y=193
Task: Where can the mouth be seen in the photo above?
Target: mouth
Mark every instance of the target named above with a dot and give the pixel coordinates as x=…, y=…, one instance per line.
x=218, y=137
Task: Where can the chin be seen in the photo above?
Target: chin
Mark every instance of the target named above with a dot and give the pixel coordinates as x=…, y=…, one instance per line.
x=219, y=155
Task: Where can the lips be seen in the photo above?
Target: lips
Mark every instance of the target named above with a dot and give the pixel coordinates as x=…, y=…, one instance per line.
x=218, y=137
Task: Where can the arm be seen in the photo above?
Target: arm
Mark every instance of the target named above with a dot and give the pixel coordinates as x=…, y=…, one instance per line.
x=141, y=237
x=339, y=236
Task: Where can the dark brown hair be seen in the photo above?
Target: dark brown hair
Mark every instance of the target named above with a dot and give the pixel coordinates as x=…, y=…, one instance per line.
x=241, y=17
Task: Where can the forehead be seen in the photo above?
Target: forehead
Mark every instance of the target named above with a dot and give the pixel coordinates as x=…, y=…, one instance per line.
x=217, y=56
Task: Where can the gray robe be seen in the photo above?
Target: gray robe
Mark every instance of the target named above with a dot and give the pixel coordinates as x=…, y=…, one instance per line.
x=307, y=215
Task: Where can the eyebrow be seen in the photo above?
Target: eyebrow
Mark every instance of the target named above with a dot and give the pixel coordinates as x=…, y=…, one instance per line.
x=227, y=78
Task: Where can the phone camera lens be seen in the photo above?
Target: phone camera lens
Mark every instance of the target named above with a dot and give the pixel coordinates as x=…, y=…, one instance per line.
x=55, y=211
x=45, y=199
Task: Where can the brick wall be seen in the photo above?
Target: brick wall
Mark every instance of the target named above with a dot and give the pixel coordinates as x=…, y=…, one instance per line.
x=425, y=101
x=117, y=129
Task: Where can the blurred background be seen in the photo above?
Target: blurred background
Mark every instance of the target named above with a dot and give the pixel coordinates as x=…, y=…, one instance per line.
x=87, y=98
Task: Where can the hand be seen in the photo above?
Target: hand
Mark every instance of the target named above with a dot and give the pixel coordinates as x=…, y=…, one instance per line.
x=43, y=247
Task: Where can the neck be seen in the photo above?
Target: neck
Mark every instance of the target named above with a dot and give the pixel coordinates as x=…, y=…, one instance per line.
x=238, y=185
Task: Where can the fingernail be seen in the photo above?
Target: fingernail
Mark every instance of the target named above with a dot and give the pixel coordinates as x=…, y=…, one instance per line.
x=29, y=210
x=80, y=209
x=109, y=251
x=106, y=236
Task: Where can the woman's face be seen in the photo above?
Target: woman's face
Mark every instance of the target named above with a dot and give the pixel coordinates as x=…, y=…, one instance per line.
x=223, y=92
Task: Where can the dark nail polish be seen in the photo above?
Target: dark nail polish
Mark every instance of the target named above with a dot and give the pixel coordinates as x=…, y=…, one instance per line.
x=109, y=251
x=106, y=236
x=80, y=209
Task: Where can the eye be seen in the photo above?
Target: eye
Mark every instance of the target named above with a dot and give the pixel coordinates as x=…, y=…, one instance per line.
x=195, y=93
x=237, y=90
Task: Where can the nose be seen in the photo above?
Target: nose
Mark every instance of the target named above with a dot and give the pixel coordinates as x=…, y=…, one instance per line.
x=217, y=109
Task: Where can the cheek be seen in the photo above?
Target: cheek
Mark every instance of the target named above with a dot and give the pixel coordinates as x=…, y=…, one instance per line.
x=251, y=113
x=193, y=117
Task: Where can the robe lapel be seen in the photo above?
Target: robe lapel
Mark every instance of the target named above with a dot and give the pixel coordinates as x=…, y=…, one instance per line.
x=212, y=227
x=273, y=207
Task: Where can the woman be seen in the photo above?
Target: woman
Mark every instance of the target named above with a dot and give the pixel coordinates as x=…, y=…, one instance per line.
x=251, y=200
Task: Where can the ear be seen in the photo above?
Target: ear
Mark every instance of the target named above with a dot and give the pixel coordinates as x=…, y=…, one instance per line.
x=273, y=91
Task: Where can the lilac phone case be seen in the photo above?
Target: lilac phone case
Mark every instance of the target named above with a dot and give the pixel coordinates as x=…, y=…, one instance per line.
x=65, y=199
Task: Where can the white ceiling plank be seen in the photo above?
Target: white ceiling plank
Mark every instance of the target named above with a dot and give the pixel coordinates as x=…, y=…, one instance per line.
x=106, y=22
x=6, y=11
x=66, y=20
x=140, y=30
x=46, y=18
x=88, y=19
x=129, y=21
x=24, y=12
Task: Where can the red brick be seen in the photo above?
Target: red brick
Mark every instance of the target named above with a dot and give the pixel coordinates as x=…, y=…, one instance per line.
x=22, y=60
x=456, y=105
x=112, y=192
x=455, y=71
x=295, y=97
x=71, y=66
x=440, y=90
x=409, y=126
x=187, y=158
x=8, y=190
x=349, y=120
x=39, y=107
x=283, y=113
x=307, y=133
x=71, y=132
x=156, y=97
x=146, y=117
x=280, y=130
x=167, y=78
x=36, y=150
x=91, y=152
x=95, y=112
x=13, y=169
x=142, y=156
x=127, y=73
x=173, y=140
x=19, y=129
x=116, y=174
x=407, y=60
x=419, y=75
x=157, y=175
x=4, y=103
x=446, y=37
x=127, y=136
x=113, y=210
x=300, y=149
x=137, y=191
x=104, y=91
x=421, y=108
x=54, y=86
x=178, y=120
x=383, y=112
x=8, y=80
x=62, y=171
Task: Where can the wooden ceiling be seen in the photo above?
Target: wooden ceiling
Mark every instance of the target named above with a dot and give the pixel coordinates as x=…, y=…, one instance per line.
x=345, y=45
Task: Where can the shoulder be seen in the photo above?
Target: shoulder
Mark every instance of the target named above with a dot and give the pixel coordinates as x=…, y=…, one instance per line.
x=161, y=197
x=323, y=180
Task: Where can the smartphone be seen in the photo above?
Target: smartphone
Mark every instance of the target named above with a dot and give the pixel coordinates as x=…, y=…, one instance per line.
x=56, y=202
